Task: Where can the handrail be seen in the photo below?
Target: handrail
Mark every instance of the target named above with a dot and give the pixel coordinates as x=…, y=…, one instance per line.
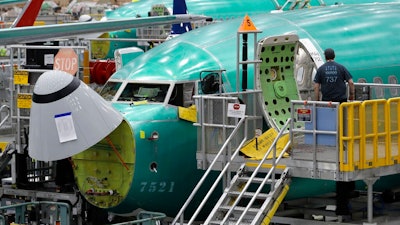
x=200, y=101
x=349, y=135
x=312, y=127
x=380, y=90
x=373, y=129
x=153, y=216
x=235, y=153
x=7, y=116
x=393, y=129
x=368, y=133
x=203, y=178
x=65, y=210
x=229, y=152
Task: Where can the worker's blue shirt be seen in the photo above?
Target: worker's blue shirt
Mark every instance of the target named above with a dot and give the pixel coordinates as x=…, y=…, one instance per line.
x=332, y=77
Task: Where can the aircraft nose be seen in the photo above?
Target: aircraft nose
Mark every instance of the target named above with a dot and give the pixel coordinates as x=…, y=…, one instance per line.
x=105, y=171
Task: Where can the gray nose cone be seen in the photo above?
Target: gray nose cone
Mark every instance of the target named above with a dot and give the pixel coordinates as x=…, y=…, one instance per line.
x=67, y=117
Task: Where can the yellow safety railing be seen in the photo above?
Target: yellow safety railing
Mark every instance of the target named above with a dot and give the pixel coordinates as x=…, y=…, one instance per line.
x=350, y=136
x=369, y=134
x=394, y=130
x=374, y=133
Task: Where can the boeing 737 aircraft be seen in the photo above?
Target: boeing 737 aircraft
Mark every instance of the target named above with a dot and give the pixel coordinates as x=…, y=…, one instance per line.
x=149, y=160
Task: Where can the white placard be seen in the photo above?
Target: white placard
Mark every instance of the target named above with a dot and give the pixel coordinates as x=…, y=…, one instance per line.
x=65, y=127
x=236, y=110
x=48, y=59
x=318, y=59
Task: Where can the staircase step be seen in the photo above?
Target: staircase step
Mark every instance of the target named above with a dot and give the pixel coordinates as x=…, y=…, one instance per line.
x=252, y=164
x=258, y=180
x=218, y=222
x=250, y=194
x=238, y=209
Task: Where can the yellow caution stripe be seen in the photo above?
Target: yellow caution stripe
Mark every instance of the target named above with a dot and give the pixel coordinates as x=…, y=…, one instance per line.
x=265, y=165
x=277, y=202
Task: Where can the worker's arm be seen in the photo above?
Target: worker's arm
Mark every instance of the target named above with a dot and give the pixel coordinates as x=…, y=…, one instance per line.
x=316, y=91
x=351, y=89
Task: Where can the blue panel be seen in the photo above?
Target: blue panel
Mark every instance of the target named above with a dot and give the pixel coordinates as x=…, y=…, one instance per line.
x=326, y=121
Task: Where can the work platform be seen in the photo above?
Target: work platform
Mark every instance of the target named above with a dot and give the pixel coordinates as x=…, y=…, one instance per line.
x=268, y=147
x=321, y=141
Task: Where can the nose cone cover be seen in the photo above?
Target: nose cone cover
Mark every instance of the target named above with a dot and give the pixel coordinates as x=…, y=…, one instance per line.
x=67, y=117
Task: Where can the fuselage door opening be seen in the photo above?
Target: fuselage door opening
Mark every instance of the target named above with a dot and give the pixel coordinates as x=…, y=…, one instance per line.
x=275, y=76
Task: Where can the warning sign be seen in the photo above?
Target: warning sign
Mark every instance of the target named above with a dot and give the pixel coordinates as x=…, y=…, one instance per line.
x=24, y=101
x=20, y=77
x=236, y=110
x=258, y=147
x=247, y=25
x=66, y=60
x=304, y=115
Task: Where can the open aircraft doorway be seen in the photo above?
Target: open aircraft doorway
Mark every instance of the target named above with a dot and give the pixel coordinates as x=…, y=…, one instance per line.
x=285, y=73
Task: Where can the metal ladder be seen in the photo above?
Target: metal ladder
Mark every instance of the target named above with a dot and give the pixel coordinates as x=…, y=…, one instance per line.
x=248, y=200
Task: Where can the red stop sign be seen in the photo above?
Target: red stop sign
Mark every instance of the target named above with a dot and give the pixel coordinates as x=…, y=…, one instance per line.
x=66, y=60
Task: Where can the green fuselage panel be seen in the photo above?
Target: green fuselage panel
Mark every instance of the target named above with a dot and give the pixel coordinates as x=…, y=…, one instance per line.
x=277, y=80
x=104, y=172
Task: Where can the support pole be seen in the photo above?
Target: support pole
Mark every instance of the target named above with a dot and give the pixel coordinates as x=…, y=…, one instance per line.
x=244, y=59
x=370, y=182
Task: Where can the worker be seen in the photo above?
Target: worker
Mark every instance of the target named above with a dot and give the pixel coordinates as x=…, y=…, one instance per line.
x=331, y=80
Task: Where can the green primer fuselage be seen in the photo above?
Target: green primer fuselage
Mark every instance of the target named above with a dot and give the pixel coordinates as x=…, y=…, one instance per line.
x=365, y=38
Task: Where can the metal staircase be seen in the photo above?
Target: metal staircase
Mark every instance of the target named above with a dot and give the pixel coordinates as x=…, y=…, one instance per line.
x=252, y=193
x=255, y=192
x=240, y=205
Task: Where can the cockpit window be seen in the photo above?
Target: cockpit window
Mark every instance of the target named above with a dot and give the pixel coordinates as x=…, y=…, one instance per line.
x=140, y=92
x=109, y=90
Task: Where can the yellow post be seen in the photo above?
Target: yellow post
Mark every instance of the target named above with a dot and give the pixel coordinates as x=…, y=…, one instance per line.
x=86, y=69
x=350, y=139
x=393, y=124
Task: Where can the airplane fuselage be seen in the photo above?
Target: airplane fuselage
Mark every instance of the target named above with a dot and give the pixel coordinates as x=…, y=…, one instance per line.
x=161, y=159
